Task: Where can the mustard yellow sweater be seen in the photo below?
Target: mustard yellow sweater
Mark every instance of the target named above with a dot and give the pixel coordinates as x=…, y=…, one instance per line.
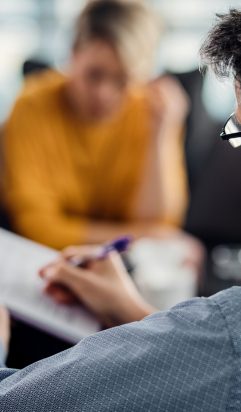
x=61, y=173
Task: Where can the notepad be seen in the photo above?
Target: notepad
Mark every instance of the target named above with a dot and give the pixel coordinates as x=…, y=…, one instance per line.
x=21, y=291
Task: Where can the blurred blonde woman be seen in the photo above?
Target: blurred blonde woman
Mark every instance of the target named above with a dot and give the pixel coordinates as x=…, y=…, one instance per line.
x=97, y=151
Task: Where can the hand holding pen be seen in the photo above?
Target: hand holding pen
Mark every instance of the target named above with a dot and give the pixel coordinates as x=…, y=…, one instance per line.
x=119, y=245
x=103, y=286
x=81, y=257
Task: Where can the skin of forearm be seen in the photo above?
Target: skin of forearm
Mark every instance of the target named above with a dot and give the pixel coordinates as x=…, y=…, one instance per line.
x=161, y=179
x=137, y=311
x=131, y=310
x=4, y=328
x=149, y=197
x=174, y=179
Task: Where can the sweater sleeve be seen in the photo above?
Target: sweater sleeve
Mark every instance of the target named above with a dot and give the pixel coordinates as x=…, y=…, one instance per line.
x=34, y=206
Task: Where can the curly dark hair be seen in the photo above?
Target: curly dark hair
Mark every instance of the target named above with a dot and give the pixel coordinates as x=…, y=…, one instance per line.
x=222, y=48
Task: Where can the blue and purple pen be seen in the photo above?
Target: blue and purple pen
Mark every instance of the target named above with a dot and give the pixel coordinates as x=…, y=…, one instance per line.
x=119, y=245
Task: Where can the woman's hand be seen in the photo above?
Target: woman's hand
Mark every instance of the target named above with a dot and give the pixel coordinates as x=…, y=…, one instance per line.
x=4, y=327
x=168, y=102
x=105, y=287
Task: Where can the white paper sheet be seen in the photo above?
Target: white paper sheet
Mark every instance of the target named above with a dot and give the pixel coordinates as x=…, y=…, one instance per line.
x=21, y=290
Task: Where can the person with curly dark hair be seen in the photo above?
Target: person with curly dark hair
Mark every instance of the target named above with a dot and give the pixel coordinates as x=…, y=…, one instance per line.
x=222, y=48
x=186, y=359
x=222, y=52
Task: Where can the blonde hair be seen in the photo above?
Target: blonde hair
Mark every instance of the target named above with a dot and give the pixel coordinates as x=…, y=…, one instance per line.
x=129, y=26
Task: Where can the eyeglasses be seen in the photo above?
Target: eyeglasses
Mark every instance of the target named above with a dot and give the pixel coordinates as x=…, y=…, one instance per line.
x=232, y=131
